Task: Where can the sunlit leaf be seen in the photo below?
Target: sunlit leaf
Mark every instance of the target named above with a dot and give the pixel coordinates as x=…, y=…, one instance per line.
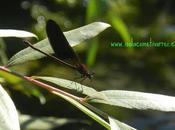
x=117, y=125
x=69, y=85
x=137, y=100
x=15, y=33
x=74, y=38
x=8, y=113
x=128, y=99
x=81, y=34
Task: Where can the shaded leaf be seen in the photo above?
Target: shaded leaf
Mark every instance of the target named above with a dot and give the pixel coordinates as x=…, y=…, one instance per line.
x=93, y=13
x=3, y=55
x=16, y=33
x=92, y=52
x=8, y=113
x=137, y=100
x=74, y=38
x=117, y=125
x=29, y=122
x=120, y=27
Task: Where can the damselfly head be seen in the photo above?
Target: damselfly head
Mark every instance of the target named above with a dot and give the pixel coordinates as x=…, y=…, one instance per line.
x=82, y=69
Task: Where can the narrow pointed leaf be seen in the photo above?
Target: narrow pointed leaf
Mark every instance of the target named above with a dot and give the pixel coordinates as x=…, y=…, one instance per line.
x=9, y=117
x=74, y=38
x=117, y=125
x=120, y=26
x=81, y=34
x=128, y=99
x=29, y=54
x=16, y=33
x=137, y=100
x=72, y=85
x=85, y=110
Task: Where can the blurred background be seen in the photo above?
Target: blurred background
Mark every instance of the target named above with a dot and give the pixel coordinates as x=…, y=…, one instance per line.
x=136, y=69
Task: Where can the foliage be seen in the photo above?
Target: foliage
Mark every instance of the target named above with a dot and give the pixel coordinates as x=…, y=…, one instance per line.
x=124, y=77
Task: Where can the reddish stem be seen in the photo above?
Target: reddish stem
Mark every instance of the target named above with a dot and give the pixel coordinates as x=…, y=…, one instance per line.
x=41, y=84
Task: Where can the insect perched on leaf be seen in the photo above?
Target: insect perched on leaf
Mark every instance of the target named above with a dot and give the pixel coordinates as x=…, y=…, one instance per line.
x=62, y=49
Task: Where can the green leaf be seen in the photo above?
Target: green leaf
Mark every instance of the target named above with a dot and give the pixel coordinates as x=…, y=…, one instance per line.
x=70, y=100
x=3, y=55
x=117, y=125
x=71, y=85
x=16, y=33
x=29, y=54
x=2, y=80
x=74, y=38
x=137, y=100
x=120, y=26
x=85, y=90
x=127, y=99
x=8, y=113
x=81, y=34
x=92, y=52
x=10, y=78
x=85, y=110
x=93, y=12
x=15, y=81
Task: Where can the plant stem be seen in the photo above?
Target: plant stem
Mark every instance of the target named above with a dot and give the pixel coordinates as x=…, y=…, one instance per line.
x=55, y=91
x=41, y=84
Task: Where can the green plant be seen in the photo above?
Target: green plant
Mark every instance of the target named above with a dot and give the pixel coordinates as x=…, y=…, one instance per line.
x=127, y=99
